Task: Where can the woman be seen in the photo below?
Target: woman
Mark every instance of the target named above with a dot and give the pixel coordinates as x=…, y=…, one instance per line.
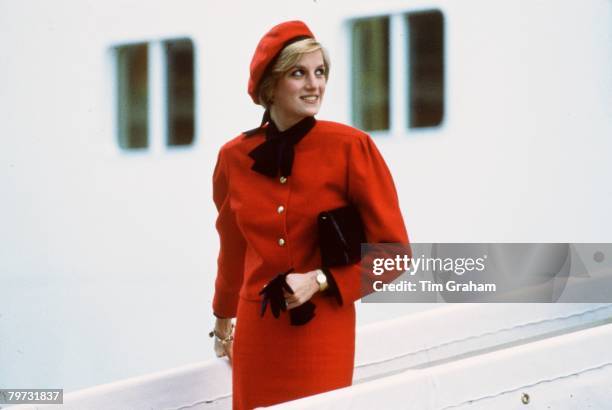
x=269, y=186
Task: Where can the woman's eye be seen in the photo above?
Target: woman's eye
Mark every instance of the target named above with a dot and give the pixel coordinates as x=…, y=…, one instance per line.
x=299, y=73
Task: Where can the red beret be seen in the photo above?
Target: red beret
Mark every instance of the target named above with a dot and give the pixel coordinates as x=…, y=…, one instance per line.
x=270, y=46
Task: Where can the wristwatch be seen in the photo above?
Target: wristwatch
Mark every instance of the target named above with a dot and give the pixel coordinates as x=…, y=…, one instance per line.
x=321, y=281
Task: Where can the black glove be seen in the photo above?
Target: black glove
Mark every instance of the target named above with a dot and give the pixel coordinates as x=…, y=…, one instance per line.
x=274, y=296
x=302, y=314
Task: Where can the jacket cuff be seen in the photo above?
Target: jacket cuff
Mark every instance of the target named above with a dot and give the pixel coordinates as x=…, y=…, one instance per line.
x=332, y=287
x=225, y=304
x=222, y=317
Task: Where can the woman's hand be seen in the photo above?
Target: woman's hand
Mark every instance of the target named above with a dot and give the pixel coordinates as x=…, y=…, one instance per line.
x=304, y=286
x=224, y=338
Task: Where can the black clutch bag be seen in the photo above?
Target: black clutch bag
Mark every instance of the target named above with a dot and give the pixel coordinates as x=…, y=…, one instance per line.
x=341, y=234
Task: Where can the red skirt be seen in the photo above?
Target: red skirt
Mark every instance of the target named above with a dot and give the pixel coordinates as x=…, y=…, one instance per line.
x=275, y=362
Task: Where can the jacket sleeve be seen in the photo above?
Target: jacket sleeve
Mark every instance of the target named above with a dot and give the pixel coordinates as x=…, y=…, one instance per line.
x=230, y=263
x=372, y=191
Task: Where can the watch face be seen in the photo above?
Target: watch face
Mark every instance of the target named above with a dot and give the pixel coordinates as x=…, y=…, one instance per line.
x=322, y=281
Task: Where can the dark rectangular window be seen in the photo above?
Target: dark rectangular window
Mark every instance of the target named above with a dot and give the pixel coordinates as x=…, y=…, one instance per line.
x=132, y=96
x=180, y=91
x=370, y=73
x=425, y=68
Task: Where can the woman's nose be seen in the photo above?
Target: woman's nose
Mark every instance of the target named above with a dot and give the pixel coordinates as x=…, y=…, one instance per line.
x=311, y=81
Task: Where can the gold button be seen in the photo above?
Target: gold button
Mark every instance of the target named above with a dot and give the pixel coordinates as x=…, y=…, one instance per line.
x=280, y=209
x=281, y=242
x=283, y=180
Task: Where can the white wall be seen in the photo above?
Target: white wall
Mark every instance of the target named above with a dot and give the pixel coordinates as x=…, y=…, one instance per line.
x=107, y=257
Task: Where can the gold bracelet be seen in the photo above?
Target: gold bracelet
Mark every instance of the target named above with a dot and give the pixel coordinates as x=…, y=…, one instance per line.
x=224, y=340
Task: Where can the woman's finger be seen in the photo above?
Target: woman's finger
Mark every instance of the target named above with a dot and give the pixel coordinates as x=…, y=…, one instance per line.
x=291, y=298
x=219, y=348
x=294, y=304
x=229, y=350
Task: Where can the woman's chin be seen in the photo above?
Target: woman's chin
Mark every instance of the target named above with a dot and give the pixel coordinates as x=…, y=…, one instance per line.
x=310, y=111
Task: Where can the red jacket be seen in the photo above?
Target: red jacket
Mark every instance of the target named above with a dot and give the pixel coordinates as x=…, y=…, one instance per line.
x=268, y=225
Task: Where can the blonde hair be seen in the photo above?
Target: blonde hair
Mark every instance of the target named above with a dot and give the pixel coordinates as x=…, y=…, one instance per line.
x=287, y=58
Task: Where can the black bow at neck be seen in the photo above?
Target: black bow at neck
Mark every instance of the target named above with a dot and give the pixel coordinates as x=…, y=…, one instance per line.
x=275, y=155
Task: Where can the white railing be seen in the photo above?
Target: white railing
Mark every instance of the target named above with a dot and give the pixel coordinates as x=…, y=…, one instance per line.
x=414, y=359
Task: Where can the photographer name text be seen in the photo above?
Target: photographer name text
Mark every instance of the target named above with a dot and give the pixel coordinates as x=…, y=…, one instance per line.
x=429, y=286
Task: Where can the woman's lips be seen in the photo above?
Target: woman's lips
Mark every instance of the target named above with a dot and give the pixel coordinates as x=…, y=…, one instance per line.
x=310, y=98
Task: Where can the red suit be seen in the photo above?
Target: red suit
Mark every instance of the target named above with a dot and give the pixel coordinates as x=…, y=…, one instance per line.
x=268, y=225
